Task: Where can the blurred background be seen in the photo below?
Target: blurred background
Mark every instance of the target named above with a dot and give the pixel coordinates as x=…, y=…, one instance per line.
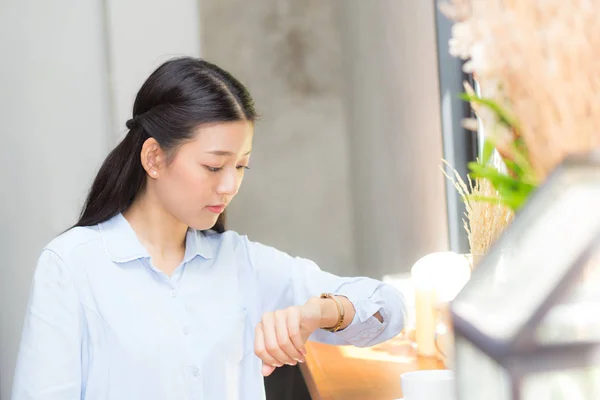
x=358, y=102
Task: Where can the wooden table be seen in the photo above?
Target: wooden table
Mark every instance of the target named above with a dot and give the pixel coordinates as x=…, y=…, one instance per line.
x=351, y=373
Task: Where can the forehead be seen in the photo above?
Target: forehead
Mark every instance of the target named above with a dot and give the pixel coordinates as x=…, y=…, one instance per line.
x=233, y=137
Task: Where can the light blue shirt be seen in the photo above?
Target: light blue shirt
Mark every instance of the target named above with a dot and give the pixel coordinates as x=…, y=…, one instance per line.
x=103, y=323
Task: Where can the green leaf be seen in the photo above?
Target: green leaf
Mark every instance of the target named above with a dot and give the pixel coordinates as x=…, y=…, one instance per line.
x=502, y=114
x=514, y=200
x=488, y=151
x=514, y=188
x=521, y=158
x=514, y=168
x=500, y=180
x=512, y=191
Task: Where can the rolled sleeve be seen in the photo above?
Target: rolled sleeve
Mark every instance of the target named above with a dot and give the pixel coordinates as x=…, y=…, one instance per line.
x=285, y=281
x=368, y=296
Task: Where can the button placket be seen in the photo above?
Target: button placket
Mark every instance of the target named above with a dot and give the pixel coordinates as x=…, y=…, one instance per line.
x=183, y=313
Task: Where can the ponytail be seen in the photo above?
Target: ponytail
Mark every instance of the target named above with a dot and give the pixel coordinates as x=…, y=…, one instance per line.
x=120, y=178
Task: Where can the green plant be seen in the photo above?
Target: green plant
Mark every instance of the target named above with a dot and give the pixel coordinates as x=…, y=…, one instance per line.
x=515, y=186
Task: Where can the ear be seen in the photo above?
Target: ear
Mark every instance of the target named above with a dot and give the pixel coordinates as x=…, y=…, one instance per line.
x=152, y=157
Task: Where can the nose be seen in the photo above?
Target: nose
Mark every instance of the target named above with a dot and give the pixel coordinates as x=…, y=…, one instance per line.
x=230, y=182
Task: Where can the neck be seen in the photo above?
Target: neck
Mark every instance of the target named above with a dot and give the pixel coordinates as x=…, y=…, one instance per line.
x=159, y=231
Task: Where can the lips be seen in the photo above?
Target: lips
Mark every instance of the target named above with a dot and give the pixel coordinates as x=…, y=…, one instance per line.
x=216, y=209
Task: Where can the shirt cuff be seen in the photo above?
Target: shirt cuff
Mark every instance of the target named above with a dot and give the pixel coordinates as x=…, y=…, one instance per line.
x=365, y=327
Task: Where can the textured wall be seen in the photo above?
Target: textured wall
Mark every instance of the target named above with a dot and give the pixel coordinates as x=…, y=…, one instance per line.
x=54, y=113
x=140, y=36
x=394, y=130
x=296, y=196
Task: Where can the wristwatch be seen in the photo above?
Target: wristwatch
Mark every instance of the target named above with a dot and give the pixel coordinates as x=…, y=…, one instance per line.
x=341, y=312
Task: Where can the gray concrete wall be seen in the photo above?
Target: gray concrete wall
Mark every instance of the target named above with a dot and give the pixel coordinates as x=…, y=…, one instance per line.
x=345, y=168
x=395, y=134
x=54, y=129
x=296, y=196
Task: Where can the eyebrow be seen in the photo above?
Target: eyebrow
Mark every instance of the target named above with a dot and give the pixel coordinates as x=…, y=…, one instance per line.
x=225, y=153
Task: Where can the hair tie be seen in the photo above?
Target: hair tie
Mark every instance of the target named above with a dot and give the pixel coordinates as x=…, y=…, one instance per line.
x=132, y=123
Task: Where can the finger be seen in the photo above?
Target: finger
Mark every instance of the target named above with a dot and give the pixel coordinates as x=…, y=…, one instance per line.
x=271, y=342
x=267, y=369
x=260, y=348
x=283, y=336
x=295, y=333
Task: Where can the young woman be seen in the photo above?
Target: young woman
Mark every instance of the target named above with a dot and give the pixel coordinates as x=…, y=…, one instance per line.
x=149, y=297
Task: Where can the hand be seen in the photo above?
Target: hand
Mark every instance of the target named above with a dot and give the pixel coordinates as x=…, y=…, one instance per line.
x=281, y=335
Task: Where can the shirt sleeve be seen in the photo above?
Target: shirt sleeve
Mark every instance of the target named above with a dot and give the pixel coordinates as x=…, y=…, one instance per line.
x=285, y=281
x=49, y=360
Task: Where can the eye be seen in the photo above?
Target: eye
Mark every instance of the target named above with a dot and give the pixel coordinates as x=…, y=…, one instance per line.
x=242, y=167
x=213, y=169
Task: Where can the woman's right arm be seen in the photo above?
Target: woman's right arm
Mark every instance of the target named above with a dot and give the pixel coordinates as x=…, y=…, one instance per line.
x=49, y=361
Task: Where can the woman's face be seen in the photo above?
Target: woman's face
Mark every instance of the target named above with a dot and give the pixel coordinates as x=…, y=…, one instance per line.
x=205, y=173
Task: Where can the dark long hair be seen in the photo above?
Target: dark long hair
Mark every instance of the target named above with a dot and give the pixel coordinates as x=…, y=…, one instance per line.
x=182, y=94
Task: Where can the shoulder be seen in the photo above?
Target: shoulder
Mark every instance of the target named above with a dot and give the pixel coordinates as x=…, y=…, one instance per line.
x=56, y=262
x=70, y=243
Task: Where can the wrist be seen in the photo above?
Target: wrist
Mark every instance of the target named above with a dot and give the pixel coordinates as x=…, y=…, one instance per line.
x=330, y=314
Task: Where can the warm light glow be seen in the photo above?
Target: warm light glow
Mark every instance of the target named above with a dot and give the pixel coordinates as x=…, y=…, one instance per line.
x=437, y=278
x=376, y=354
x=444, y=272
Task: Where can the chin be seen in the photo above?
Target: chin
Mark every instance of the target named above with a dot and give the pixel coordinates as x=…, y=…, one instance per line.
x=203, y=224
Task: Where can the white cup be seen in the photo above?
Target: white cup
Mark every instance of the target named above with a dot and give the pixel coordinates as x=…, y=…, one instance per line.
x=428, y=385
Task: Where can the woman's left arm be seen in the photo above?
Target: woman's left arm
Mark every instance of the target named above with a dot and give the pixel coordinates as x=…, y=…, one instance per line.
x=290, y=289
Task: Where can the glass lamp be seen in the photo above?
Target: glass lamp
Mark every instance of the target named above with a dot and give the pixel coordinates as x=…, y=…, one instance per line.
x=527, y=325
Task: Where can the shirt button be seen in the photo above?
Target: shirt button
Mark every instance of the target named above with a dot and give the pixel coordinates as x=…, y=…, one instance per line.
x=173, y=293
x=196, y=372
x=186, y=330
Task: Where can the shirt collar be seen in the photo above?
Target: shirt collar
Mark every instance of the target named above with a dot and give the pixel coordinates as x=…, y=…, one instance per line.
x=122, y=244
